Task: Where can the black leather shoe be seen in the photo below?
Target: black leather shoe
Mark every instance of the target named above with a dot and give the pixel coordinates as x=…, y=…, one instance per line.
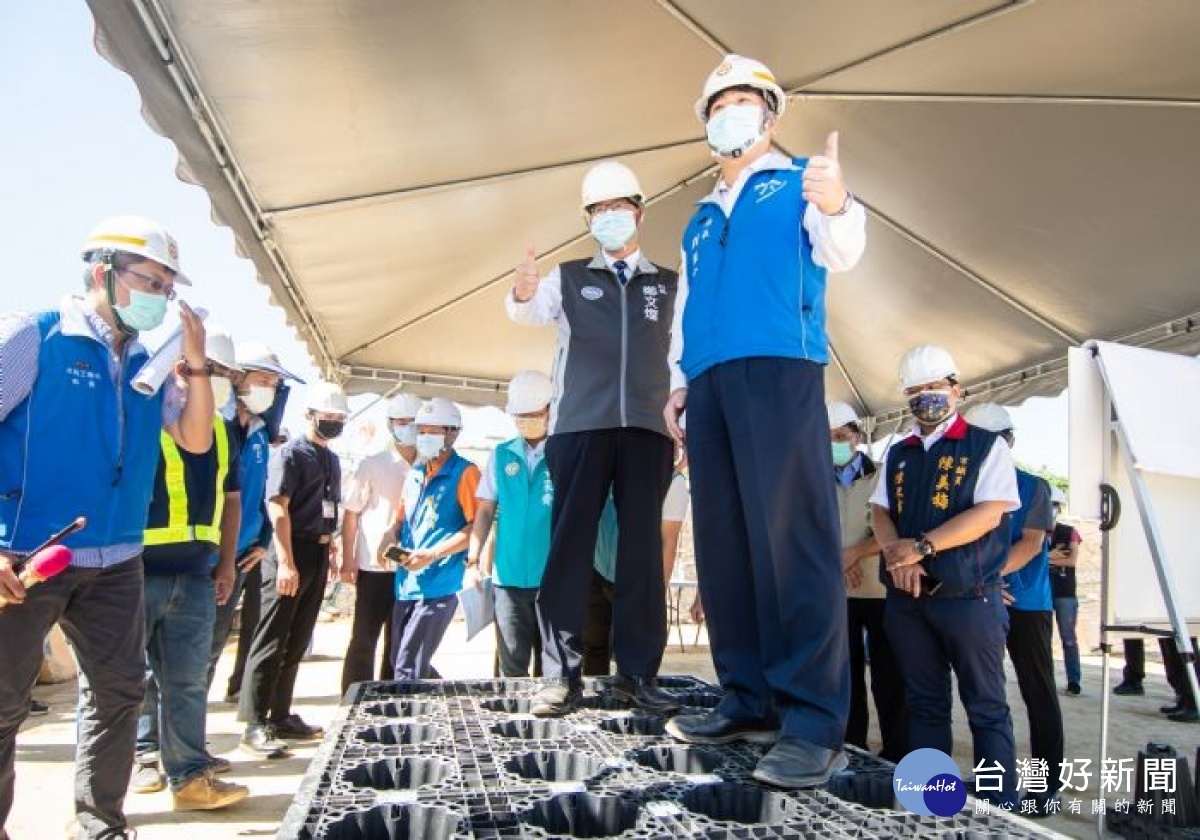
x=1073, y=689
x=293, y=728
x=1185, y=716
x=1130, y=689
x=644, y=693
x=715, y=728
x=1170, y=710
x=556, y=699
x=260, y=742
x=796, y=763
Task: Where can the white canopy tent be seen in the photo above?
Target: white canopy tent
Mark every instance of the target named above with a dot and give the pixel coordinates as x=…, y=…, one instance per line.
x=1029, y=168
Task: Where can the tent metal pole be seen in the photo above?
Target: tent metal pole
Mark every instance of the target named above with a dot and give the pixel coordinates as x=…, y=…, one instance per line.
x=1106, y=618
x=992, y=99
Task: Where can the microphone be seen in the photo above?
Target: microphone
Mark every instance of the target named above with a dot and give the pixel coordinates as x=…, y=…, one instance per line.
x=45, y=564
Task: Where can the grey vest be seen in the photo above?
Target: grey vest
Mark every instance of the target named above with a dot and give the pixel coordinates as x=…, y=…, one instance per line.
x=613, y=372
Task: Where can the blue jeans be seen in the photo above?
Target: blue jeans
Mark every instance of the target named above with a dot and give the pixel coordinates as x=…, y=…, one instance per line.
x=179, y=623
x=1066, y=613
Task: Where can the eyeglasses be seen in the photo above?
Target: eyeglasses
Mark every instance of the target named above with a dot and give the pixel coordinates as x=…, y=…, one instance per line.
x=155, y=284
x=616, y=204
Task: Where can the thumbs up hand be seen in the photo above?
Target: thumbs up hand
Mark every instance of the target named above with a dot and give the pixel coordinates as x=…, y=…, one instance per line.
x=824, y=183
x=526, y=283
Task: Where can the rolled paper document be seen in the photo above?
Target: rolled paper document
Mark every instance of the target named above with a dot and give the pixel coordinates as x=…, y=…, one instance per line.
x=162, y=362
x=45, y=564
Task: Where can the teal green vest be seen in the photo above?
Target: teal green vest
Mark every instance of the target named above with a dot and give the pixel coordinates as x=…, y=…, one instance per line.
x=523, y=506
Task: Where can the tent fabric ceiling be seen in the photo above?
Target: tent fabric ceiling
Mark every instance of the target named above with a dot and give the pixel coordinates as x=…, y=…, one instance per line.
x=1028, y=167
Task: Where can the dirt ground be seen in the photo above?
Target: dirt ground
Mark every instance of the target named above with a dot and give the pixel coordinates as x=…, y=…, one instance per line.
x=45, y=745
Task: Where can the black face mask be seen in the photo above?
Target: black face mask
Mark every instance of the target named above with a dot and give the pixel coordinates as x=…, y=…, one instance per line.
x=329, y=429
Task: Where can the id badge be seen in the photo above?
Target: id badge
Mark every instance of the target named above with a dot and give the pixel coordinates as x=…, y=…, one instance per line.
x=328, y=509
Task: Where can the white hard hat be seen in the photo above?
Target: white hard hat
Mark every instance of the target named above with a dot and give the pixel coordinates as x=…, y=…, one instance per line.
x=926, y=363
x=254, y=355
x=840, y=414
x=135, y=235
x=736, y=71
x=529, y=391
x=1057, y=497
x=326, y=397
x=439, y=411
x=403, y=407
x=994, y=418
x=608, y=180
x=218, y=347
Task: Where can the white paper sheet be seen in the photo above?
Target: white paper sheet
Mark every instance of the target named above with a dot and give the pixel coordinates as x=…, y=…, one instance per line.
x=479, y=607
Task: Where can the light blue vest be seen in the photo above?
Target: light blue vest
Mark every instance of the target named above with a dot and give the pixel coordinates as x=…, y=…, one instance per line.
x=78, y=446
x=524, y=503
x=431, y=514
x=753, y=288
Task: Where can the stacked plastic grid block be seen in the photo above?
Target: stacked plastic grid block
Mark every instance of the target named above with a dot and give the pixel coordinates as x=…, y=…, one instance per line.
x=465, y=759
x=1183, y=824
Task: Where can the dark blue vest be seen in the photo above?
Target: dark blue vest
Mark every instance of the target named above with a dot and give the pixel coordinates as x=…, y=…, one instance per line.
x=926, y=489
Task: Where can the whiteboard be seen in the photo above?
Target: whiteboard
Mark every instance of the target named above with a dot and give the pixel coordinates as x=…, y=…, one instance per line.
x=1156, y=397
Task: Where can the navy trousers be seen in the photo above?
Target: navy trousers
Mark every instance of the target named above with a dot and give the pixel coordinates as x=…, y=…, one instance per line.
x=417, y=630
x=768, y=554
x=931, y=638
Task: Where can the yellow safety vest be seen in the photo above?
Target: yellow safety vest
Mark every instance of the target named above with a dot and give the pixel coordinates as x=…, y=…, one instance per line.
x=178, y=529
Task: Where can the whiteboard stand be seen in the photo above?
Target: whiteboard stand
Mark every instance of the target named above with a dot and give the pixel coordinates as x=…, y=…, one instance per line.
x=1119, y=468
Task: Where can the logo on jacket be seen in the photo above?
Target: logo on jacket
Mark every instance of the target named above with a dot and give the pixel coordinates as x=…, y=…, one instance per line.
x=591, y=293
x=512, y=469
x=767, y=189
x=650, y=307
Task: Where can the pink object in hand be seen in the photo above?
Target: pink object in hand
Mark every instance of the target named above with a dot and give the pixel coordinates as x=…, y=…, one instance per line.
x=46, y=564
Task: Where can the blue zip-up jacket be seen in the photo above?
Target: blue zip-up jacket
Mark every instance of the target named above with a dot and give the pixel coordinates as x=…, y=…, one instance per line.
x=754, y=289
x=255, y=455
x=431, y=514
x=77, y=445
x=1030, y=584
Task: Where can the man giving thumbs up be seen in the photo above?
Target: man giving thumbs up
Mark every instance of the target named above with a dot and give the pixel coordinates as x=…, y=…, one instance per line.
x=747, y=361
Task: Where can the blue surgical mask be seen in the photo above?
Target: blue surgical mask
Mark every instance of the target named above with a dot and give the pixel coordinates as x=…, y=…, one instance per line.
x=930, y=407
x=405, y=435
x=843, y=452
x=734, y=129
x=614, y=228
x=144, y=312
x=430, y=446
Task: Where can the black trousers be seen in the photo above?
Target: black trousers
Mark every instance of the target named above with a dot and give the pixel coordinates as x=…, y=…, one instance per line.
x=283, y=634
x=1029, y=648
x=374, y=600
x=636, y=465
x=597, y=628
x=865, y=618
x=247, y=585
x=1135, y=667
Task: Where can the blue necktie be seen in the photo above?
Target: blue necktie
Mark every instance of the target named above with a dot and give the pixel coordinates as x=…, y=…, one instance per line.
x=620, y=266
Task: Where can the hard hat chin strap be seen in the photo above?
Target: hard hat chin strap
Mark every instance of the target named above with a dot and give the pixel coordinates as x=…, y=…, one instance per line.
x=110, y=289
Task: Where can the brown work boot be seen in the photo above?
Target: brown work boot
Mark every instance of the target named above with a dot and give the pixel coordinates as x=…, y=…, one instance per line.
x=207, y=793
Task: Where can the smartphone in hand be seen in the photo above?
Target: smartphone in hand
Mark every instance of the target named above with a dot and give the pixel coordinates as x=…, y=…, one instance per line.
x=396, y=555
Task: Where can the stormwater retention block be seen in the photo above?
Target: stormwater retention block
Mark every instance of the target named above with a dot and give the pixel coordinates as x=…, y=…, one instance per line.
x=465, y=759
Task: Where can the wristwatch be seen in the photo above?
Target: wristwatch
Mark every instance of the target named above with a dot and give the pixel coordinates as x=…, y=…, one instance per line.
x=205, y=370
x=472, y=563
x=924, y=547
